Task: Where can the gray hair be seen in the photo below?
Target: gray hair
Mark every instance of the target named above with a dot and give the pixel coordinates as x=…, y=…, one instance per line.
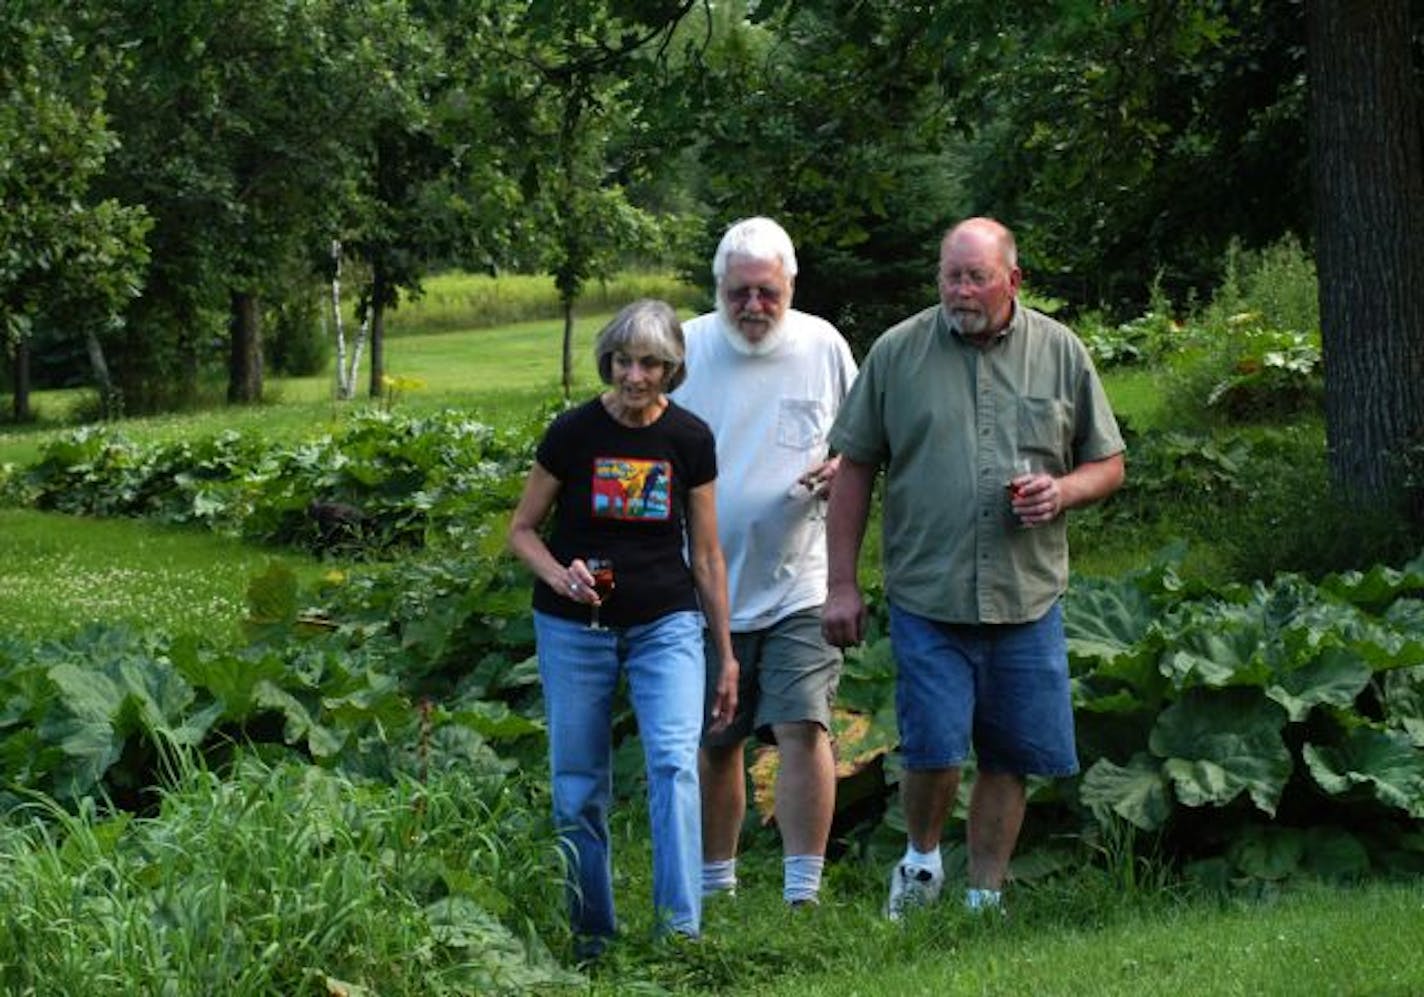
x=757, y=239
x=646, y=327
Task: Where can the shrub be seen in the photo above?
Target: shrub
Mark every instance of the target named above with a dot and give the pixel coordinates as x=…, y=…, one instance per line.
x=1278, y=282
x=1147, y=339
x=297, y=340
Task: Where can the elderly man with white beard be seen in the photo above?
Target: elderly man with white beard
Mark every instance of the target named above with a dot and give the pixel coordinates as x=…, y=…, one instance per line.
x=769, y=380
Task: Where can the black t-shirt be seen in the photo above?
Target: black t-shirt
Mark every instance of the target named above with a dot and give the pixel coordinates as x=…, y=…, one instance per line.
x=624, y=497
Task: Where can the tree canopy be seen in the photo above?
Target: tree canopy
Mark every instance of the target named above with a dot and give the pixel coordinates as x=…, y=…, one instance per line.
x=173, y=177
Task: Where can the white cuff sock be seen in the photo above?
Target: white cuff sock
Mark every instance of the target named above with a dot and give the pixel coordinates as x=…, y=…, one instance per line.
x=801, y=877
x=976, y=899
x=719, y=877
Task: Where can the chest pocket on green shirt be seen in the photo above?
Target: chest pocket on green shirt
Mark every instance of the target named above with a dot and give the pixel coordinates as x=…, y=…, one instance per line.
x=800, y=423
x=1046, y=432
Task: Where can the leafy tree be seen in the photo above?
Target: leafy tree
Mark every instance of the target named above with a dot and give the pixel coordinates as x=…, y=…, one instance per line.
x=1368, y=168
x=579, y=73
x=235, y=125
x=65, y=254
x=825, y=116
x=1135, y=140
x=429, y=185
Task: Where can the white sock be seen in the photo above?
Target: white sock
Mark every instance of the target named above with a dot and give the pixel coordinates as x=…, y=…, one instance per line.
x=801, y=877
x=924, y=860
x=719, y=877
x=975, y=899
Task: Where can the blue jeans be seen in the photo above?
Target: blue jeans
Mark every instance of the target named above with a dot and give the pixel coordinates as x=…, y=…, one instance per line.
x=580, y=668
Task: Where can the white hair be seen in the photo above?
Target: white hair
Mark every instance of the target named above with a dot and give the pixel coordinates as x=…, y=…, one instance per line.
x=755, y=239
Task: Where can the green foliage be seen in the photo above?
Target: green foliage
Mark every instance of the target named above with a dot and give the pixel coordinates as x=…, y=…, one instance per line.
x=1277, y=281
x=825, y=117
x=286, y=879
x=1272, y=374
x=89, y=712
x=1148, y=339
x=1254, y=703
x=1253, y=354
x=70, y=258
x=1133, y=138
x=296, y=340
x=407, y=480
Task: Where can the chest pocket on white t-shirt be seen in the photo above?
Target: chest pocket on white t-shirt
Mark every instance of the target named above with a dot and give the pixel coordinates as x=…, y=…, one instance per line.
x=800, y=423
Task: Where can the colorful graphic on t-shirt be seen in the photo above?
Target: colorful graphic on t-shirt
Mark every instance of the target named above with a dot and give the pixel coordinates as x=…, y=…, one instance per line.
x=631, y=488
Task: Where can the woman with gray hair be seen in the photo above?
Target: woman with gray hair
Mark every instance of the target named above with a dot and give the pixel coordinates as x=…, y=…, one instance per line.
x=629, y=478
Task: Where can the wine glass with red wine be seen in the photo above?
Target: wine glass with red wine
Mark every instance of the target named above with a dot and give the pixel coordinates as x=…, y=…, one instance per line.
x=602, y=570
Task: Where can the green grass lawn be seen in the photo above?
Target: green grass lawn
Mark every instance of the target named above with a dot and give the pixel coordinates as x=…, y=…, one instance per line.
x=1360, y=940
x=59, y=573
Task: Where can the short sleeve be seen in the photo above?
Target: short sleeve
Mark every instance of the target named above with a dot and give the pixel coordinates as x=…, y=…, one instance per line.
x=702, y=459
x=553, y=452
x=859, y=429
x=1097, y=435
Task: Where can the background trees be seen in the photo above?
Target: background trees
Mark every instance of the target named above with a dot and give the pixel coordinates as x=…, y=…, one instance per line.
x=1130, y=144
x=68, y=257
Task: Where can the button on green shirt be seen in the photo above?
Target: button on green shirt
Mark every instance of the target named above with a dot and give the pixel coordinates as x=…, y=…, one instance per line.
x=946, y=418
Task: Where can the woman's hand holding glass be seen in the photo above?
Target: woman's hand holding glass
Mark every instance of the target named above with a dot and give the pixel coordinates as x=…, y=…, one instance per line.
x=589, y=581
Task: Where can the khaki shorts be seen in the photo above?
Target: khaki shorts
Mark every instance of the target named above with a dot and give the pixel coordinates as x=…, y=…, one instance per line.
x=789, y=674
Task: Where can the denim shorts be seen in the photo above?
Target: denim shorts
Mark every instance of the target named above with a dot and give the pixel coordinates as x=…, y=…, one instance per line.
x=1001, y=689
x=789, y=675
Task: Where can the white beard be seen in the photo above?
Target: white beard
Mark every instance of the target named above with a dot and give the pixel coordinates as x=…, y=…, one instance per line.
x=739, y=342
x=968, y=323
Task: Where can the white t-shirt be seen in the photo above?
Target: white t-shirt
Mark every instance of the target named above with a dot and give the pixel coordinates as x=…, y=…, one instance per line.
x=770, y=415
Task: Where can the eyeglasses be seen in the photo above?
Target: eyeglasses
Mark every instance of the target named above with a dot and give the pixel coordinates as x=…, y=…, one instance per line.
x=975, y=278
x=741, y=296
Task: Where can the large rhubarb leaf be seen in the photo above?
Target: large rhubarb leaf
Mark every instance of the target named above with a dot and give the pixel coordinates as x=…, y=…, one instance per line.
x=1138, y=792
x=1334, y=676
x=1385, y=762
x=1108, y=626
x=1220, y=744
x=1403, y=699
x=1379, y=586
x=97, y=708
x=1216, y=646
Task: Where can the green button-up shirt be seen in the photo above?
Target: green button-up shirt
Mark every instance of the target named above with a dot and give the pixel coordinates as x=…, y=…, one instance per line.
x=946, y=418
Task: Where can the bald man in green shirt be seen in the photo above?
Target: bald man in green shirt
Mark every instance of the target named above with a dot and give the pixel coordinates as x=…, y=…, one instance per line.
x=990, y=422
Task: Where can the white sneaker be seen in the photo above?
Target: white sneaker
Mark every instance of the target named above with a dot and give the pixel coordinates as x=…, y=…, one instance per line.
x=911, y=886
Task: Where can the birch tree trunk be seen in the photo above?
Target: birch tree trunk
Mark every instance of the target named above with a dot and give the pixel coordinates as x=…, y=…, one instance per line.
x=344, y=386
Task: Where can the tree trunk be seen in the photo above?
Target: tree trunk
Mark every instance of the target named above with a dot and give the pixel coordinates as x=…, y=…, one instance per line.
x=244, y=384
x=568, y=347
x=108, y=397
x=345, y=376
x=1367, y=170
x=21, y=371
x=378, y=329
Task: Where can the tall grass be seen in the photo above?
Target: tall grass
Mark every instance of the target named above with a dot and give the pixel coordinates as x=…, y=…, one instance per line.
x=285, y=879
x=457, y=301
